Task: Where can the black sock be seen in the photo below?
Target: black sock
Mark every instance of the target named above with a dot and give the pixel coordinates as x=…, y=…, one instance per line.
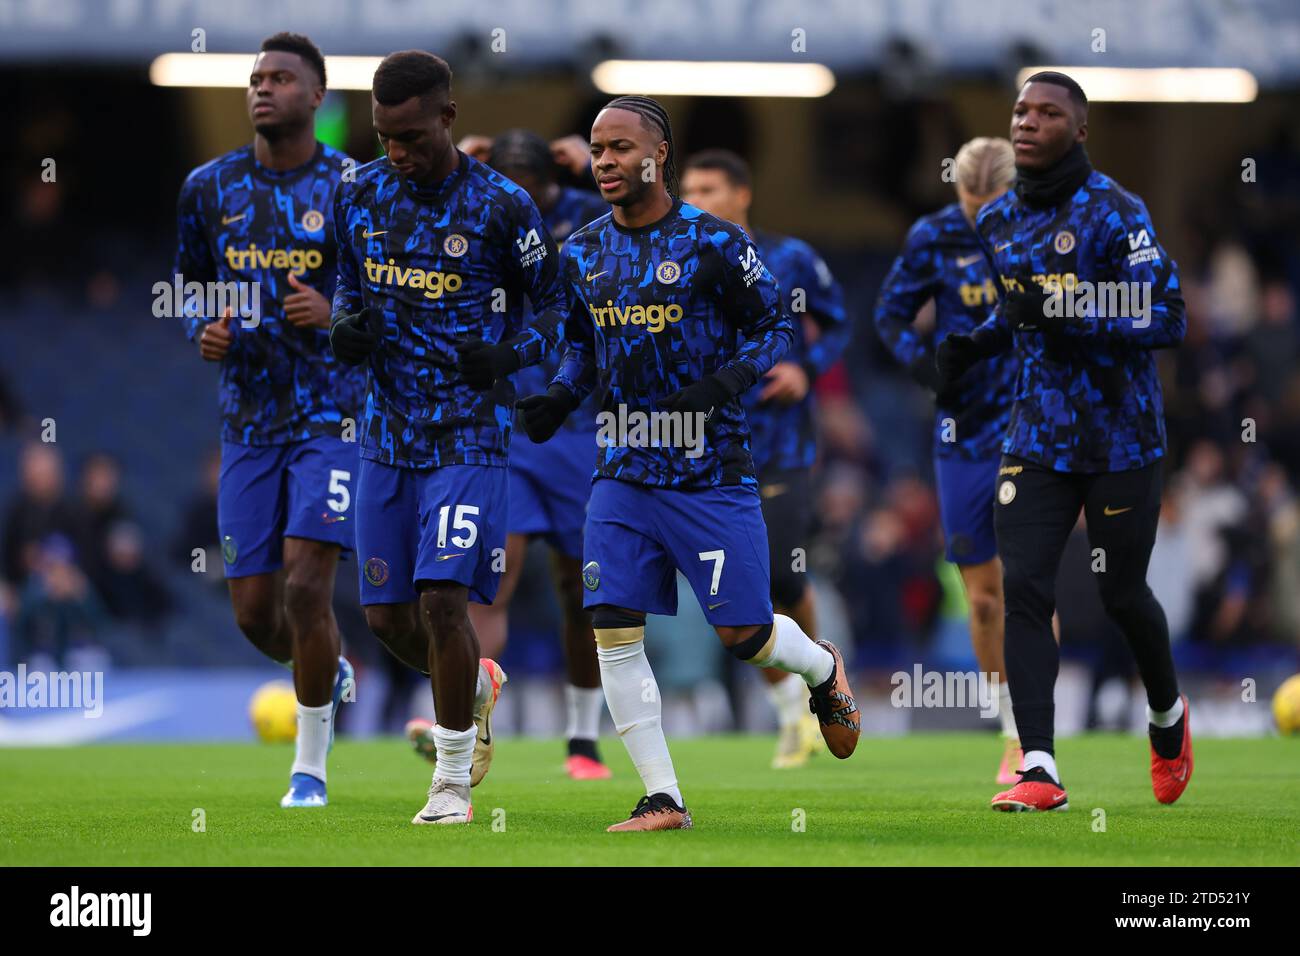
x=583, y=748
x=1168, y=741
x=1037, y=775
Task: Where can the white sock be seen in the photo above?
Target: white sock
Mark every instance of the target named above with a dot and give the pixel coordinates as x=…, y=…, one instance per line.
x=313, y=739
x=583, y=705
x=1168, y=717
x=482, y=687
x=1041, y=758
x=455, y=754
x=1005, y=712
x=634, y=703
x=795, y=652
x=789, y=696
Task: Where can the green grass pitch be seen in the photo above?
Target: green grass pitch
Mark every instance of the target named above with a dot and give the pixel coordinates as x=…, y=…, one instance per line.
x=920, y=800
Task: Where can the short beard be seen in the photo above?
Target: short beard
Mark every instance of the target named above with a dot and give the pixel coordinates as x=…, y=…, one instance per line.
x=274, y=132
x=636, y=191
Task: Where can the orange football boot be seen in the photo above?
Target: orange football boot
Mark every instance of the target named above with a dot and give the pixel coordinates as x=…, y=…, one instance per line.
x=836, y=710
x=658, y=811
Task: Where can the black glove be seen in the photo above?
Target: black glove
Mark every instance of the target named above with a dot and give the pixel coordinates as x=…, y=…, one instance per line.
x=353, y=336
x=544, y=414
x=1026, y=311
x=924, y=372
x=952, y=359
x=704, y=396
x=949, y=397
x=482, y=363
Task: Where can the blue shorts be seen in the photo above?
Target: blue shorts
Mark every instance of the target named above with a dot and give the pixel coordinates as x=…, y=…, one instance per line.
x=267, y=493
x=430, y=524
x=966, y=496
x=550, y=485
x=638, y=536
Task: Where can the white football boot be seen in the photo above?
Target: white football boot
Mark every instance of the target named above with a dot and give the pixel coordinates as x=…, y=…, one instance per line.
x=448, y=803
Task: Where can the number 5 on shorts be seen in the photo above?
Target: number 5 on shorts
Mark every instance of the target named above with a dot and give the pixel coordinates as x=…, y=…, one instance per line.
x=717, y=557
x=337, y=487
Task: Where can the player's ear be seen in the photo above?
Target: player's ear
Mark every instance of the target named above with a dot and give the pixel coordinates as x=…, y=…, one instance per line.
x=1081, y=135
x=449, y=114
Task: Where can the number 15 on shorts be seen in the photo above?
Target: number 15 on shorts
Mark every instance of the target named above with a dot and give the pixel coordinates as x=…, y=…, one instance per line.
x=460, y=522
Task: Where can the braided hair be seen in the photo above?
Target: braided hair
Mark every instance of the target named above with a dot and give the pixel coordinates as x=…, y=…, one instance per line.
x=654, y=116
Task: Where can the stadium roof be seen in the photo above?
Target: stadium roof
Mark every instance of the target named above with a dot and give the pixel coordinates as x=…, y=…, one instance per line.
x=911, y=37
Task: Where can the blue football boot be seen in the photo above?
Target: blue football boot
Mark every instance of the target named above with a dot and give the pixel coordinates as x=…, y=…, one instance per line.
x=304, y=789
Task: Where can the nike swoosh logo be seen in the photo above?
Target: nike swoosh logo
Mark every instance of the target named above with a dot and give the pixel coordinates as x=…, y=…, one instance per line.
x=1108, y=511
x=439, y=816
x=1180, y=777
x=965, y=261
x=227, y=220
x=591, y=277
x=771, y=491
x=1001, y=246
x=448, y=557
x=367, y=235
x=486, y=741
x=714, y=607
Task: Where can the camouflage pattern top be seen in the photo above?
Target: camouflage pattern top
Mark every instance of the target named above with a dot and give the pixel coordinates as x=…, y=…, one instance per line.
x=657, y=308
x=942, y=260
x=444, y=264
x=1089, y=400
x=575, y=208
x=782, y=436
x=240, y=222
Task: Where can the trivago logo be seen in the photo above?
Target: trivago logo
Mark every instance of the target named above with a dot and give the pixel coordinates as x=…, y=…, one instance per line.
x=433, y=283
x=654, y=317
x=297, y=261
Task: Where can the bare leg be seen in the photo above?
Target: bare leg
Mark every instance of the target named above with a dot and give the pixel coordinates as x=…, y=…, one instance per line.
x=983, y=584
x=398, y=628
x=582, y=665
x=309, y=612
x=453, y=651
x=258, y=601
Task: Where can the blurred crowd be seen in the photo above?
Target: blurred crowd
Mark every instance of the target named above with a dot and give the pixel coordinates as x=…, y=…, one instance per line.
x=73, y=562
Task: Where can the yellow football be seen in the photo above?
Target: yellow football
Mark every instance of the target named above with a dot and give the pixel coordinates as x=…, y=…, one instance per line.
x=274, y=712
x=1286, y=705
